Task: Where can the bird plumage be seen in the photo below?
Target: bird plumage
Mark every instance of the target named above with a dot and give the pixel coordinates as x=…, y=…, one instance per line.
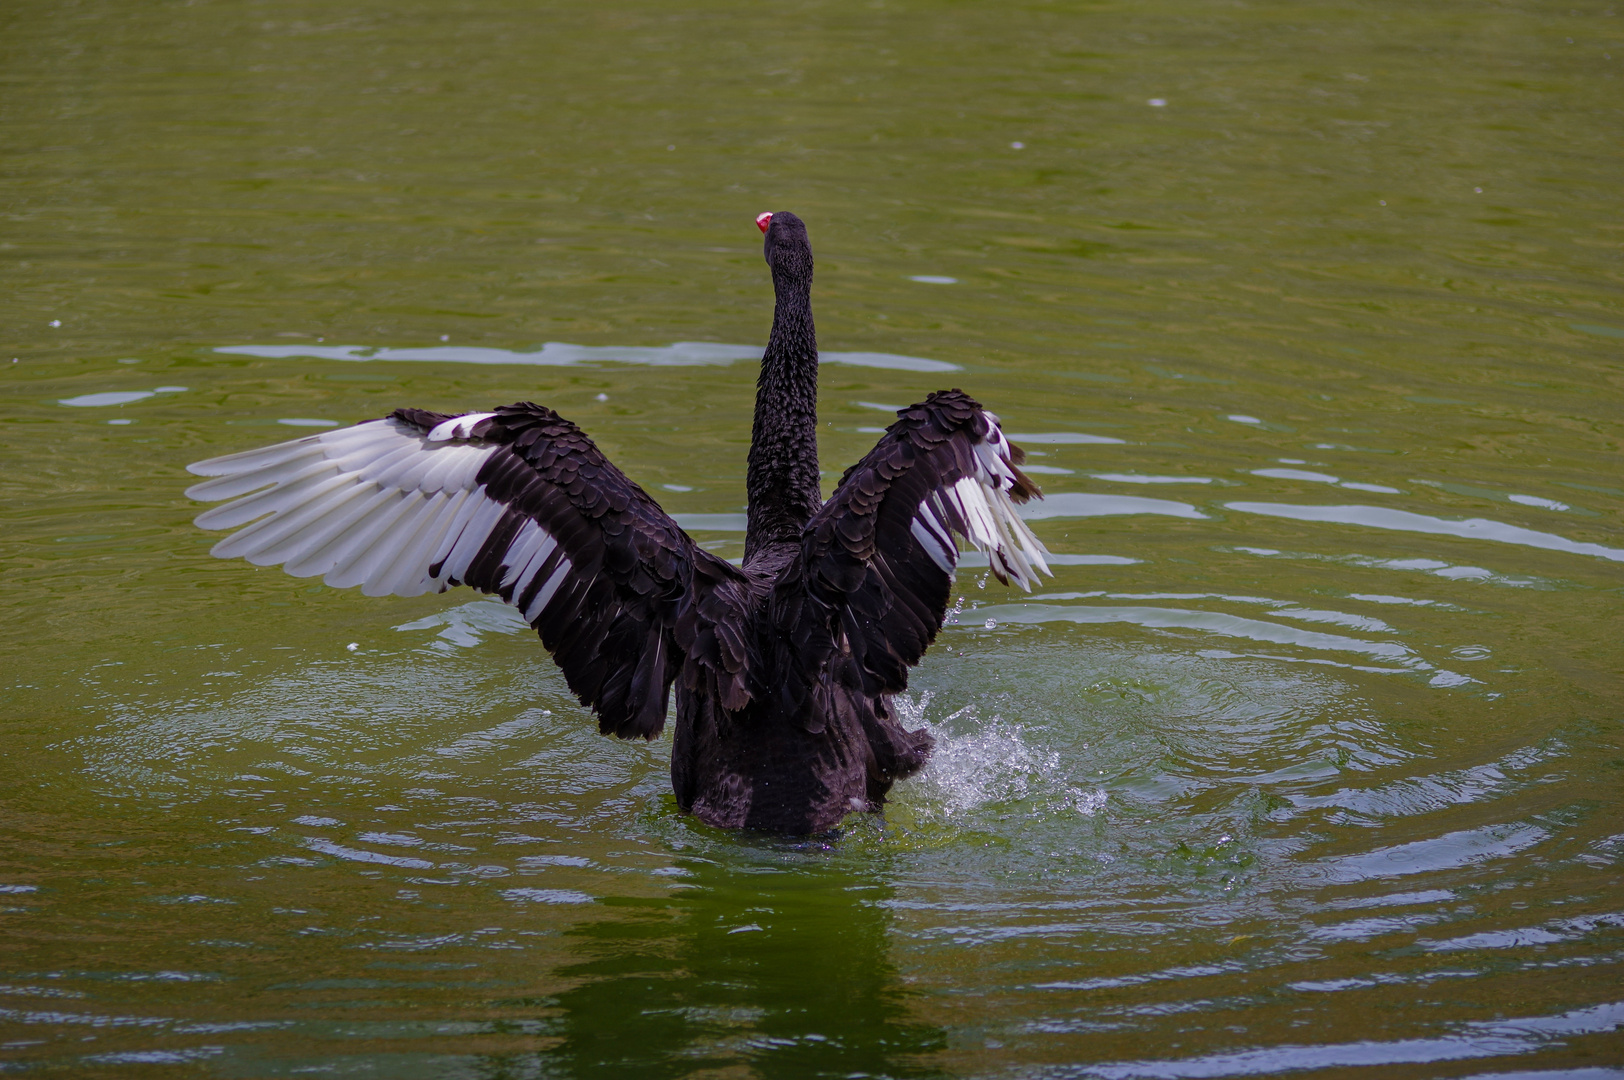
x=783, y=668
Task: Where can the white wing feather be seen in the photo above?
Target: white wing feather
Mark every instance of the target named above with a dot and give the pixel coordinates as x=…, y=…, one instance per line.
x=377, y=505
x=994, y=525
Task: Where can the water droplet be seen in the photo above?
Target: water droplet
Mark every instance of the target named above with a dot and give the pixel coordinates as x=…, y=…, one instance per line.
x=352, y=646
x=991, y=623
x=603, y=397
x=1017, y=146
x=1156, y=102
x=56, y=322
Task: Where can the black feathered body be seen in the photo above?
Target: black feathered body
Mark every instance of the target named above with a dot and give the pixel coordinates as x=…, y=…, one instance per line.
x=836, y=623
x=782, y=671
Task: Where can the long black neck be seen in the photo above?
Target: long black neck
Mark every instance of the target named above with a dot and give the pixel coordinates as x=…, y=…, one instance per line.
x=783, y=477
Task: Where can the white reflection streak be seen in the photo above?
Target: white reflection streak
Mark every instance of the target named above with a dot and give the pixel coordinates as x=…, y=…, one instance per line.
x=974, y=559
x=116, y=397
x=1082, y=504
x=1377, y=517
x=546, y=896
x=563, y=354
x=1210, y=621
x=712, y=522
x=339, y=851
x=462, y=625
x=1073, y=438
x=1478, y=1039
x=1446, y=852
x=1434, y=567
x=1064, y=505
x=1140, y=478
x=1552, y=933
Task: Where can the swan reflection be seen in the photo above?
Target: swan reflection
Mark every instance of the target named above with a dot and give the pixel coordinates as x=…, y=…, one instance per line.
x=769, y=959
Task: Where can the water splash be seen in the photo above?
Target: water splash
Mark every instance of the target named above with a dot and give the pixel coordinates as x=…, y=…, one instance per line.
x=980, y=765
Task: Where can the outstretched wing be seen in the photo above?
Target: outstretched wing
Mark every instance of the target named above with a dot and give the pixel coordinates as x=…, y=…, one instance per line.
x=516, y=502
x=868, y=591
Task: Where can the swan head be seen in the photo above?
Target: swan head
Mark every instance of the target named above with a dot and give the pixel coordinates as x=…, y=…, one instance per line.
x=786, y=247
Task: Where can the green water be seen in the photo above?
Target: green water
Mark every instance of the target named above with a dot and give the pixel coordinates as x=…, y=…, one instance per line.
x=1314, y=766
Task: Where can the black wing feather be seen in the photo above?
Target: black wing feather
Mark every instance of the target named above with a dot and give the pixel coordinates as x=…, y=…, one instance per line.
x=864, y=598
x=519, y=503
x=620, y=627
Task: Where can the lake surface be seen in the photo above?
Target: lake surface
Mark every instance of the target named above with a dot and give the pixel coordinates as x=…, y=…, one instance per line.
x=1310, y=759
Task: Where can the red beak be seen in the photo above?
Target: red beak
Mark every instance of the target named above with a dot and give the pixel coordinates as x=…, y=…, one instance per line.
x=763, y=220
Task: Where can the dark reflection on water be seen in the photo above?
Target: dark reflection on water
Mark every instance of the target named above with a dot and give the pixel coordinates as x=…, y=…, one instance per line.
x=782, y=965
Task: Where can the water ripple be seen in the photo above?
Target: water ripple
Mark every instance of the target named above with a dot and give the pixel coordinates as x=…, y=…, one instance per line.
x=1478, y=1039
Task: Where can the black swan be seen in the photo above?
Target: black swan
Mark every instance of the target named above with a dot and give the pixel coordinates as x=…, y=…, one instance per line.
x=784, y=668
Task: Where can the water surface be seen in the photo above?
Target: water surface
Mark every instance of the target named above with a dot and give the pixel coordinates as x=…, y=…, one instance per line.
x=1308, y=760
